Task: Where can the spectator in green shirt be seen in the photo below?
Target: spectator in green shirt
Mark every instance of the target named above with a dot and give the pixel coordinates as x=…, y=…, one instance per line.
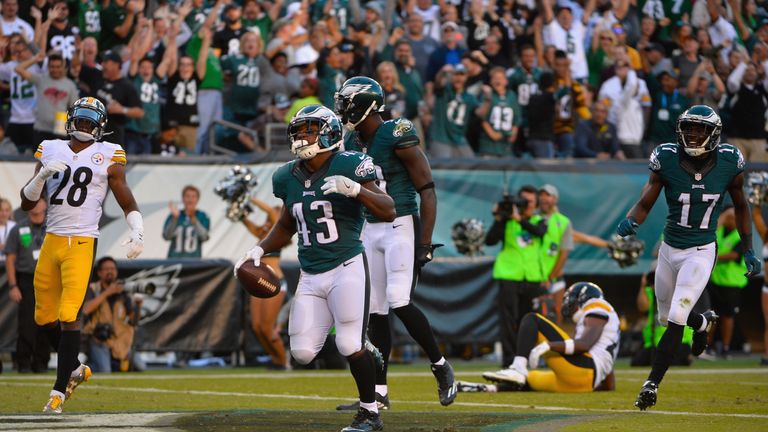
x=188, y=228
x=117, y=20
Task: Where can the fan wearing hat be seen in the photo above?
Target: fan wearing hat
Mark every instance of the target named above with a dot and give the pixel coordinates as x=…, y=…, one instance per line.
x=119, y=96
x=667, y=105
x=451, y=113
x=448, y=52
x=227, y=40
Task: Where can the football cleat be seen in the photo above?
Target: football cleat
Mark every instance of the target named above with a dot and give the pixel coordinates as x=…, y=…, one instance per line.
x=446, y=385
x=80, y=375
x=382, y=403
x=508, y=375
x=700, y=337
x=470, y=387
x=647, y=396
x=365, y=421
x=54, y=405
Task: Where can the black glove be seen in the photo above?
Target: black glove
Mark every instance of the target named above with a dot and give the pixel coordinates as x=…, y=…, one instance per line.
x=424, y=253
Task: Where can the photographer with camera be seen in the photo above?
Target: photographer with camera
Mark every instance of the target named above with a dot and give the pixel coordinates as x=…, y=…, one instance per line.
x=110, y=319
x=519, y=267
x=188, y=228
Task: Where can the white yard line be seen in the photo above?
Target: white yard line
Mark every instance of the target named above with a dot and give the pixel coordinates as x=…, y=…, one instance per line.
x=468, y=404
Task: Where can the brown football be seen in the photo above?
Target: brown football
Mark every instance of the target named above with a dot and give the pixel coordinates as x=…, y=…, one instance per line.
x=259, y=281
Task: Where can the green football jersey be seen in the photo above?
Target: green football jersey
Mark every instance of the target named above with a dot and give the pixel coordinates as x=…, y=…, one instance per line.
x=504, y=113
x=451, y=115
x=391, y=174
x=694, y=200
x=328, y=226
x=89, y=19
x=340, y=10
x=246, y=76
x=525, y=85
x=149, y=94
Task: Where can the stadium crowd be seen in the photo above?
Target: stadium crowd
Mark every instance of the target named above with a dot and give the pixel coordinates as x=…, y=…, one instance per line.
x=493, y=78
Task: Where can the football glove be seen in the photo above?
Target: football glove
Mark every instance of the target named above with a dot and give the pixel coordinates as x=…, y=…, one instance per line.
x=424, y=253
x=752, y=263
x=51, y=168
x=135, y=241
x=341, y=185
x=627, y=227
x=536, y=353
x=34, y=188
x=254, y=254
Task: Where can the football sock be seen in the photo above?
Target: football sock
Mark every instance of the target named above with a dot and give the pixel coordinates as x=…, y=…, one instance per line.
x=697, y=322
x=69, y=347
x=372, y=407
x=363, y=369
x=440, y=362
x=665, y=352
x=381, y=337
x=527, y=335
x=520, y=364
x=419, y=329
x=52, y=332
x=381, y=389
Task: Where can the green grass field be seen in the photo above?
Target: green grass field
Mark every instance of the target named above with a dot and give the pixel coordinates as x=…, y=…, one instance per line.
x=710, y=396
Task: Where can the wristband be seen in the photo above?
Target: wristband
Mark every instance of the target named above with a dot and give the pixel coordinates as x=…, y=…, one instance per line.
x=135, y=221
x=569, y=346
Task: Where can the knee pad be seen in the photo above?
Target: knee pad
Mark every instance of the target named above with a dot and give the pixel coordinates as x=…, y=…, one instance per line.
x=303, y=356
x=347, y=345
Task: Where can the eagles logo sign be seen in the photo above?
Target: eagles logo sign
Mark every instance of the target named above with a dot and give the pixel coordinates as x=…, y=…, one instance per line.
x=365, y=167
x=401, y=127
x=158, y=285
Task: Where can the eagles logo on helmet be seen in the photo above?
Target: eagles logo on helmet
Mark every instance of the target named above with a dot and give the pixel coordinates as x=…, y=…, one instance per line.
x=357, y=98
x=318, y=123
x=86, y=119
x=626, y=250
x=698, y=130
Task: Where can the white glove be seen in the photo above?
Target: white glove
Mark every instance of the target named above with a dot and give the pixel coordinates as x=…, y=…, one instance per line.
x=135, y=242
x=51, y=168
x=254, y=254
x=341, y=185
x=536, y=353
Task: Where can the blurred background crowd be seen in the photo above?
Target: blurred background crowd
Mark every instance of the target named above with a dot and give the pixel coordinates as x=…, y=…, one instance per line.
x=481, y=78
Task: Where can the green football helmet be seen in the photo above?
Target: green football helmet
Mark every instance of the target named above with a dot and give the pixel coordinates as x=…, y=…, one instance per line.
x=698, y=130
x=327, y=131
x=357, y=98
x=86, y=119
x=578, y=294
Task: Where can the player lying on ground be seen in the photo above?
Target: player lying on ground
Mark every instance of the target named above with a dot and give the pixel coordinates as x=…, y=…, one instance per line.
x=582, y=364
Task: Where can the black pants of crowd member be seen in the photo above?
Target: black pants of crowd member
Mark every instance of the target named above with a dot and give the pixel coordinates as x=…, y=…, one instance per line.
x=515, y=299
x=32, y=348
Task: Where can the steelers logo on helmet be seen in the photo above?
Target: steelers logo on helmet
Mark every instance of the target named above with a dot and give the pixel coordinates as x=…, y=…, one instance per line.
x=86, y=119
x=577, y=295
x=314, y=129
x=698, y=130
x=357, y=98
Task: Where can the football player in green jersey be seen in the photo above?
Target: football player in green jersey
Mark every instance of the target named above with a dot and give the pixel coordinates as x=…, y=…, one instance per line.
x=695, y=174
x=323, y=194
x=396, y=250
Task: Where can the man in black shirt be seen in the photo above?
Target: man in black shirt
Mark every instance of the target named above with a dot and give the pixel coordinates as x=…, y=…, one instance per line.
x=119, y=96
x=227, y=40
x=541, y=119
x=62, y=34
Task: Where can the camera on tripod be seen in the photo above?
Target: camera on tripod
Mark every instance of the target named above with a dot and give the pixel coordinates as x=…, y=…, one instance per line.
x=508, y=202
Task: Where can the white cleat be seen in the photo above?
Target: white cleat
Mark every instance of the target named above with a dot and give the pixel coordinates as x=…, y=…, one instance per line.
x=508, y=375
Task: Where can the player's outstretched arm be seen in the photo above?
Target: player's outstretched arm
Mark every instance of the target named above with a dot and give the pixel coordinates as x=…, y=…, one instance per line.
x=420, y=173
x=744, y=224
x=637, y=214
x=377, y=202
x=593, y=328
x=124, y=197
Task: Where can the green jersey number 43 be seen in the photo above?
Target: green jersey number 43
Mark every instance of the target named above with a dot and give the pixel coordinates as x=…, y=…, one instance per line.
x=329, y=235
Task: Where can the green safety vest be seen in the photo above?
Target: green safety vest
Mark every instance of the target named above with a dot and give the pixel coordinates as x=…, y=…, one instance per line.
x=557, y=224
x=728, y=273
x=652, y=331
x=520, y=257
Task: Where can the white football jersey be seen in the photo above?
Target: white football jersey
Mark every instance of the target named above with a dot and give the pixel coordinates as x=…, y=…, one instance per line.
x=75, y=196
x=606, y=348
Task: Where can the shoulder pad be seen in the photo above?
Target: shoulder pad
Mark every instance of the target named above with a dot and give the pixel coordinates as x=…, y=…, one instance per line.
x=731, y=153
x=660, y=154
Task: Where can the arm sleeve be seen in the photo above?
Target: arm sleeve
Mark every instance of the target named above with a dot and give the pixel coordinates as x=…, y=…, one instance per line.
x=201, y=227
x=169, y=228
x=537, y=230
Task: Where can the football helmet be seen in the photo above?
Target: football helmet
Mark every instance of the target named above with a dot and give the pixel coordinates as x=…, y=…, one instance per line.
x=318, y=123
x=86, y=119
x=625, y=250
x=698, y=130
x=468, y=236
x=578, y=294
x=356, y=99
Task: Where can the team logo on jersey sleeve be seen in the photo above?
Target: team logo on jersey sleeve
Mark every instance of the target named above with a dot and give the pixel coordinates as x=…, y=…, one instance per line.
x=740, y=162
x=401, y=127
x=97, y=158
x=653, y=162
x=365, y=168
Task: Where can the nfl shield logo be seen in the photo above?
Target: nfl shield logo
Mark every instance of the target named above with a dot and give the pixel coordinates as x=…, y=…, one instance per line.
x=697, y=177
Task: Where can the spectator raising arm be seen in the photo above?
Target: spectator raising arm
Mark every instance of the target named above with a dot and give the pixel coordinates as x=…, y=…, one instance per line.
x=133, y=8
x=22, y=67
x=202, y=58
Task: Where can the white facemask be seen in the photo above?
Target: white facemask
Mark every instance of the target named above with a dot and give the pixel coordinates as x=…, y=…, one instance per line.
x=82, y=136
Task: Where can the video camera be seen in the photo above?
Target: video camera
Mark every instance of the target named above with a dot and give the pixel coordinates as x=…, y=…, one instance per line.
x=508, y=202
x=235, y=189
x=139, y=287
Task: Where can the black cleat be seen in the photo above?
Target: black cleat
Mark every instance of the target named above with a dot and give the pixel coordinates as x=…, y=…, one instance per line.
x=365, y=421
x=700, y=337
x=647, y=396
x=382, y=403
x=446, y=385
